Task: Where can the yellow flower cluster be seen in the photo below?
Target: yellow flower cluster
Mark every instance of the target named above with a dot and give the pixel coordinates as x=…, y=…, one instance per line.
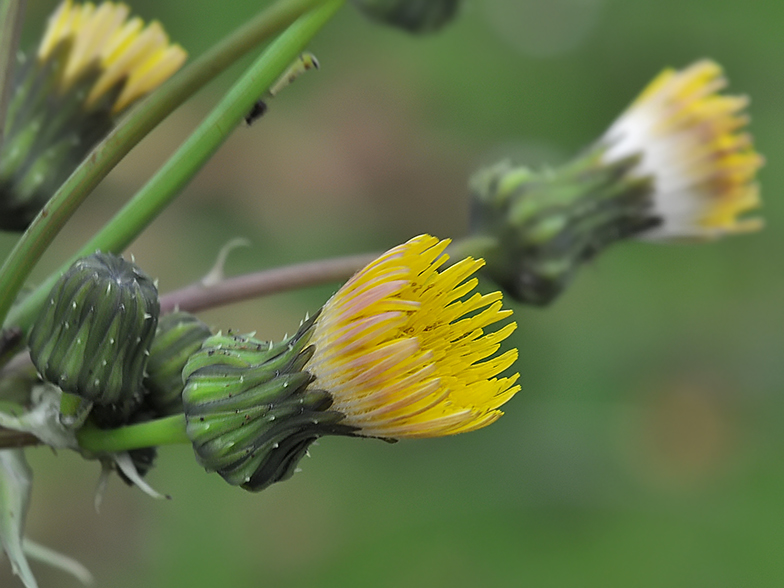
x=403, y=351
x=124, y=50
x=689, y=140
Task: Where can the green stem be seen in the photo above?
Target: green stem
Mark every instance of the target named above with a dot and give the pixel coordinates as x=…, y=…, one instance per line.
x=139, y=122
x=11, y=17
x=165, y=431
x=166, y=184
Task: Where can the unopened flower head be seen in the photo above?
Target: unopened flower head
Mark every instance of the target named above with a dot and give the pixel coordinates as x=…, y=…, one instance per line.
x=93, y=62
x=675, y=165
x=400, y=351
x=690, y=141
x=92, y=338
x=414, y=16
x=403, y=350
x=124, y=51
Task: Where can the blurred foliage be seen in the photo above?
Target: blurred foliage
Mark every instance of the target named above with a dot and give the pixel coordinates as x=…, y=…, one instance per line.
x=646, y=446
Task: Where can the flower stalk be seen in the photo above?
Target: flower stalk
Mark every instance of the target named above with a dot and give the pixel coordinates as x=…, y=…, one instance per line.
x=199, y=296
x=166, y=431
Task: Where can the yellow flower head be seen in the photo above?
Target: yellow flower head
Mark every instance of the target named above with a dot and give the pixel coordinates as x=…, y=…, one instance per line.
x=124, y=50
x=690, y=143
x=403, y=351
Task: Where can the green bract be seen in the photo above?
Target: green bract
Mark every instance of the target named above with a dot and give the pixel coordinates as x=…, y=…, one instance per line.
x=48, y=133
x=179, y=335
x=415, y=16
x=250, y=413
x=547, y=223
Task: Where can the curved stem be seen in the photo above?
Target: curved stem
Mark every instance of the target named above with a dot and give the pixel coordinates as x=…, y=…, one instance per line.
x=139, y=122
x=200, y=297
x=10, y=439
x=166, y=184
x=166, y=431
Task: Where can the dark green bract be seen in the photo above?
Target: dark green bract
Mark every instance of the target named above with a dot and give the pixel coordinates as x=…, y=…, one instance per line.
x=415, y=16
x=93, y=336
x=250, y=412
x=48, y=133
x=179, y=335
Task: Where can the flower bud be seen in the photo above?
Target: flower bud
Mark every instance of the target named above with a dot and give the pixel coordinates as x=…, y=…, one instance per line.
x=401, y=351
x=415, y=16
x=179, y=335
x=249, y=411
x=546, y=224
x=93, y=336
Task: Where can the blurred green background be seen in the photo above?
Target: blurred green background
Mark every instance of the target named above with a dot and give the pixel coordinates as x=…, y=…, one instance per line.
x=646, y=448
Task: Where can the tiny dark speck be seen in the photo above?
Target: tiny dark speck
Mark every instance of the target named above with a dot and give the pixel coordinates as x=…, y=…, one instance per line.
x=256, y=112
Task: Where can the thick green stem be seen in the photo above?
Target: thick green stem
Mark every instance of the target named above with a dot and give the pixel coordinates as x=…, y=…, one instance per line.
x=11, y=17
x=165, y=431
x=191, y=156
x=139, y=122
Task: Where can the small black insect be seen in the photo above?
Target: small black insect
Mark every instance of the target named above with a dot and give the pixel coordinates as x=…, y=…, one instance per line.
x=258, y=110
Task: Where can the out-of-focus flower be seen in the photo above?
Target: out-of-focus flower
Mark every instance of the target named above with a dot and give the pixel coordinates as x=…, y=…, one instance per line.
x=689, y=141
x=400, y=351
x=126, y=56
x=674, y=166
x=93, y=62
x=415, y=16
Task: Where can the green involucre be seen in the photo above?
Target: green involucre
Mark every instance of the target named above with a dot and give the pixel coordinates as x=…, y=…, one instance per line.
x=93, y=336
x=251, y=414
x=414, y=16
x=547, y=223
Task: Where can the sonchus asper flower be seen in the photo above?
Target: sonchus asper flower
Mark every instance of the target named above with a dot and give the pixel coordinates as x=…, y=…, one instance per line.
x=676, y=165
x=402, y=350
x=93, y=62
x=691, y=143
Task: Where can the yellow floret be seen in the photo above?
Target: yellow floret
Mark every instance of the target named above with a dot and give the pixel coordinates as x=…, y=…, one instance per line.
x=124, y=50
x=404, y=352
